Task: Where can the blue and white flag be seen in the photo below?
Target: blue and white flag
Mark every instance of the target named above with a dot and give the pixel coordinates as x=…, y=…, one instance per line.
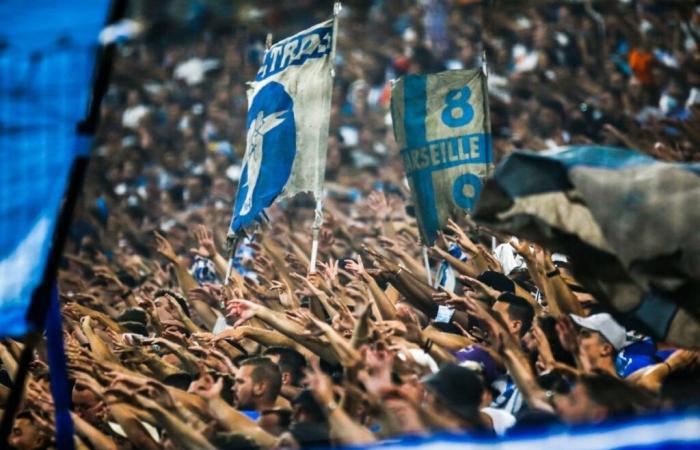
x=288, y=114
x=441, y=124
x=46, y=67
x=628, y=221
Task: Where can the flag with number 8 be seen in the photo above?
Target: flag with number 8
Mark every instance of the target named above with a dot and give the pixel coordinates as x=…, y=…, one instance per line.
x=441, y=124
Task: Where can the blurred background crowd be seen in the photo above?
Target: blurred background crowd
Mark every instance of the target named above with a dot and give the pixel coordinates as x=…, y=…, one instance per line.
x=162, y=355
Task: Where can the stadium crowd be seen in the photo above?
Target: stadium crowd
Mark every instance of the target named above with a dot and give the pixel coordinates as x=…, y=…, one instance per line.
x=163, y=354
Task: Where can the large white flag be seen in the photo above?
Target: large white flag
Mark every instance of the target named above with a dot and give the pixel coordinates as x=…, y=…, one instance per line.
x=288, y=114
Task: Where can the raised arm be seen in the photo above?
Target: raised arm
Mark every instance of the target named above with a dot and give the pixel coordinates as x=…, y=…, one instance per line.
x=245, y=310
x=343, y=428
x=184, y=278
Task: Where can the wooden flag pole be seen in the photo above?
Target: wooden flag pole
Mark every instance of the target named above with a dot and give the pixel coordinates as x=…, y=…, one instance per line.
x=318, y=212
x=315, y=231
x=232, y=241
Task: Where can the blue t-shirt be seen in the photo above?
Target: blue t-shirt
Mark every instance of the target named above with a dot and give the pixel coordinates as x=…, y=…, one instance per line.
x=639, y=354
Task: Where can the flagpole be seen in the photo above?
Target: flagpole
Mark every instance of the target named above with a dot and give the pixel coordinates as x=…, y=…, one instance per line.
x=315, y=231
x=426, y=263
x=318, y=211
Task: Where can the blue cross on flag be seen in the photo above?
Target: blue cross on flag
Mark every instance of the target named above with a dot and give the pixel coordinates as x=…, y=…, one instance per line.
x=441, y=125
x=287, y=125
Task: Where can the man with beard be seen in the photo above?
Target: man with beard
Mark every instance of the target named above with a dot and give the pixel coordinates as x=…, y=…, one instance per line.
x=257, y=384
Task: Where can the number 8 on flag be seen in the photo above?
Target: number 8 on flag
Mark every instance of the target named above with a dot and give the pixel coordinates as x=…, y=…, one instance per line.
x=441, y=125
x=458, y=100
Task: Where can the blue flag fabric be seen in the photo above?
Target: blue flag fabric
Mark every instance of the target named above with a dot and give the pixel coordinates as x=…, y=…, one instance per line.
x=46, y=68
x=648, y=433
x=288, y=115
x=441, y=125
x=628, y=221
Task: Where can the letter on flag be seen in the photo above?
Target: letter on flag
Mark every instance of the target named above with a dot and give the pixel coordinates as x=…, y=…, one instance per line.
x=287, y=124
x=441, y=125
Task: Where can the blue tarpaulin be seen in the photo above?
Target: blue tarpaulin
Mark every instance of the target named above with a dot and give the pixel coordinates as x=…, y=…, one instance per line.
x=47, y=56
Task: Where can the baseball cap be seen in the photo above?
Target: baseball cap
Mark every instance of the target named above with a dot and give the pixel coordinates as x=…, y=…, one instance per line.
x=475, y=355
x=459, y=388
x=497, y=281
x=133, y=314
x=604, y=324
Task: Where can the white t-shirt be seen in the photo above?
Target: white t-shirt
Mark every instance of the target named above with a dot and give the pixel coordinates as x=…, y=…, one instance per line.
x=502, y=420
x=509, y=259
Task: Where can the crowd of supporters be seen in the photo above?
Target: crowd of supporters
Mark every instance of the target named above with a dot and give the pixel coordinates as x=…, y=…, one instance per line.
x=162, y=353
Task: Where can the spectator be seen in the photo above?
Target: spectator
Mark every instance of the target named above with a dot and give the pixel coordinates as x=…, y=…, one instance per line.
x=165, y=352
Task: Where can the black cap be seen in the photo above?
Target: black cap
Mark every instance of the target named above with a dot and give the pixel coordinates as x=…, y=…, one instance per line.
x=497, y=281
x=135, y=327
x=306, y=401
x=133, y=314
x=512, y=298
x=459, y=388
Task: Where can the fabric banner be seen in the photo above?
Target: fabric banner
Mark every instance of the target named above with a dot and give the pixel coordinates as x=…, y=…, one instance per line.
x=628, y=221
x=288, y=114
x=46, y=67
x=441, y=124
x=653, y=433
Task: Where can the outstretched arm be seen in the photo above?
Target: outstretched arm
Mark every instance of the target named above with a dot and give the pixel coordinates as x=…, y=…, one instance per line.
x=245, y=310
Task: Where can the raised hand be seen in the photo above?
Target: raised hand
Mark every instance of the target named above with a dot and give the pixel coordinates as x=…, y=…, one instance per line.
x=355, y=267
x=522, y=247
x=306, y=321
x=462, y=238
x=158, y=393
x=329, y=270
x=242, y=310
x=545, y=355
x=202, y=294
x=481, y=290
x=207, y=388
x=165, y=248
x=377, y=202
x=474, y=308
x=105, y=273
x=294, y=262
x=205, y=240
x=410, y=320
x=392, y=246
x=320, y=384
x=86, y=381
x=443, y=296
x=567, y=335
x=310, y=284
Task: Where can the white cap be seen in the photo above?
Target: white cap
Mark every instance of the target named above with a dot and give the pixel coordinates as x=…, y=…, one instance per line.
x=604, y=324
